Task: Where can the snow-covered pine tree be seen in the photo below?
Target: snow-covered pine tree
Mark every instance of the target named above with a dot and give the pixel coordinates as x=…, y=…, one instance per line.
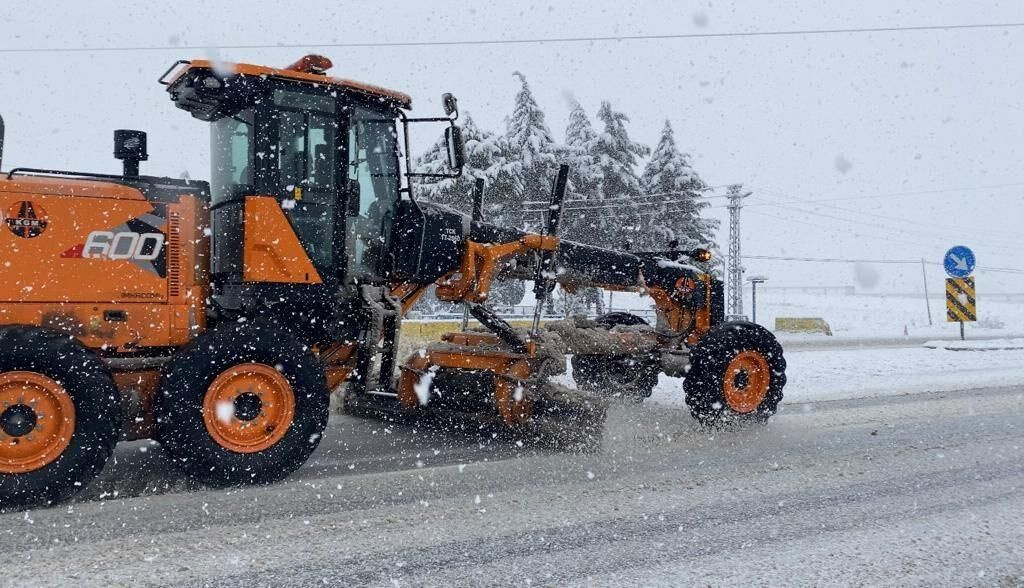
x=617, y=160
x=483, y=160
x=580, y=223
x=503, y=204
x=672, y=188
x=580, y=141
x=531, y=153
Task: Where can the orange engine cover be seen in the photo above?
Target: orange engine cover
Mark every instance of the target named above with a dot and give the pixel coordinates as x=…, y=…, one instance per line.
x=103, y=262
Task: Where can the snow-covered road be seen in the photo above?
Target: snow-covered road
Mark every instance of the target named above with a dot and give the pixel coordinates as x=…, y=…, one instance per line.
x=923, y=488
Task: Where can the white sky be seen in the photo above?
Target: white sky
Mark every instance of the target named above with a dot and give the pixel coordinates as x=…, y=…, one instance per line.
x=908, y=111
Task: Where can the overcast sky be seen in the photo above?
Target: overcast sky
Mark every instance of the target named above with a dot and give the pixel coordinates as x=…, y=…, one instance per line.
x=794, y=118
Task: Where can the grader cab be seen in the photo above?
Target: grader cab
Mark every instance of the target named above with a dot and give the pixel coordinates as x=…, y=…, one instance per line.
x=217, y=318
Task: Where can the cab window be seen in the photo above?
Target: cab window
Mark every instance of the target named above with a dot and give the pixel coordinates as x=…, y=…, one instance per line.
x=373, y=167
x=231, y=148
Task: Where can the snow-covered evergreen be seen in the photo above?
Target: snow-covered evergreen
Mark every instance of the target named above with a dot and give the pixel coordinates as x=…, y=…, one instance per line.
x=617, y=157
x=531, y=151
x=483, y=160
x=609, y=203
x=672, y=204
x=578, y=152
x=578, y=221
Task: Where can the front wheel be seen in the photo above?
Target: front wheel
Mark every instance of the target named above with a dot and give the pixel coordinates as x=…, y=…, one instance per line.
x=737, y=372
x=243, y=404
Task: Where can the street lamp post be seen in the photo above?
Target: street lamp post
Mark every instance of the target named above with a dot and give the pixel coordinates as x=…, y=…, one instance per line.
x=754, y=281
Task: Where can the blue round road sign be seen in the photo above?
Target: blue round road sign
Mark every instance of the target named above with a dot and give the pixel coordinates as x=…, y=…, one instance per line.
x=959, y=262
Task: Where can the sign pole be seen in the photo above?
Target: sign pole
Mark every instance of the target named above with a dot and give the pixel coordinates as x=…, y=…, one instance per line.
x=753, y=300
x=754, y=281
x=961, y=330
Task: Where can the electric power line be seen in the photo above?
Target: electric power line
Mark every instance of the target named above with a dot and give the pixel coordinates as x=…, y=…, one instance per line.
x=855, y=231
x=933, y=227
x=896, y=230
x=525, y=41
x=829, y=259
x=613, y=215
x=900, y=194
x=1002, y=270
x=630, y=199
x=597, y=206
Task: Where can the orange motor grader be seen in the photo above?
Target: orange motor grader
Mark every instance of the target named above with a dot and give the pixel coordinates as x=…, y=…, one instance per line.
x=217, y=317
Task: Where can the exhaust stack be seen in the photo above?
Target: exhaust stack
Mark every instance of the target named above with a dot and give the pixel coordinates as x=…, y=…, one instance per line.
x=130, y=147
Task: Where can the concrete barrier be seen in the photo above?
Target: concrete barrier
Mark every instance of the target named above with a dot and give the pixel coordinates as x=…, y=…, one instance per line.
x=802, y=325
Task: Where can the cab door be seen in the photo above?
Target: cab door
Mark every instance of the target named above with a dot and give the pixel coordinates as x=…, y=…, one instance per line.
x=308, y=157
x=372, y=192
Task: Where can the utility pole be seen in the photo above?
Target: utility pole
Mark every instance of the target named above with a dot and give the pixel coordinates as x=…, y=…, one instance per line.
x=927, y=303
x=735, y=269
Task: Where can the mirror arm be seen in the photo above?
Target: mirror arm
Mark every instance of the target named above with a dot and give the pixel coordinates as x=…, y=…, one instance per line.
x=408, y=155
x=429, y=119
x=457, y=174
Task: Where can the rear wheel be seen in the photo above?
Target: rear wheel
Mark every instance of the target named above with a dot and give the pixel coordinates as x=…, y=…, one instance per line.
x=59, y=416
x=631, y=377
x=243, y=404
x=737, y=372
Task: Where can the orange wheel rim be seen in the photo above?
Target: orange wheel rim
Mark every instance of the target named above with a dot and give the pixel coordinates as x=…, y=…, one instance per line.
x=746, y=381
x=249, y=408
x=37, y=421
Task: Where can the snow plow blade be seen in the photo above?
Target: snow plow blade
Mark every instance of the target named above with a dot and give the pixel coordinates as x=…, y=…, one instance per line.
x=562, y=418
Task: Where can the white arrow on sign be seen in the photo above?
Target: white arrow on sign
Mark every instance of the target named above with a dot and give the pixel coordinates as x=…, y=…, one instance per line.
x=959, y=263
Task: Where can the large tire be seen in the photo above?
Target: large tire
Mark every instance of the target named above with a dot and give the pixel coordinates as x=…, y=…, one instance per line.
x=737, y=372
x=60, y=416
x=630, y=377
x=245, y=403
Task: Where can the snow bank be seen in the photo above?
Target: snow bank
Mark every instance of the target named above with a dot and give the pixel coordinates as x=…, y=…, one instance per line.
x=982, y=345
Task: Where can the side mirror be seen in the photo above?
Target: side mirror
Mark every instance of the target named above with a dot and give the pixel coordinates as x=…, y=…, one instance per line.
x=456, y=148
x=450, y=104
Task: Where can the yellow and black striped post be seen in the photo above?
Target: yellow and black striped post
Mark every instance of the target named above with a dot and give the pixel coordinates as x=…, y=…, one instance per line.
x=960, y=305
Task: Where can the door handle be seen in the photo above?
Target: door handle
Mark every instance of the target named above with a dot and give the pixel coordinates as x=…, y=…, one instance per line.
x=353, y=197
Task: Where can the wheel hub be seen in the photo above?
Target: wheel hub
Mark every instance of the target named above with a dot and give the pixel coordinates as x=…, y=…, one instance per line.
x=247, y=406
x=18, y=420
x=742, y=379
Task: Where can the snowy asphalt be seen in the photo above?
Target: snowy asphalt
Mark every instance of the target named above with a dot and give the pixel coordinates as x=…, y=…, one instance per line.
x=924, y=489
